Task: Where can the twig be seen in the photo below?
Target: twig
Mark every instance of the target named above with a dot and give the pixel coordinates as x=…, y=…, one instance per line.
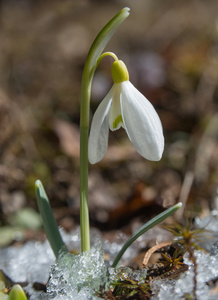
x=152, y=250
x=185, y=190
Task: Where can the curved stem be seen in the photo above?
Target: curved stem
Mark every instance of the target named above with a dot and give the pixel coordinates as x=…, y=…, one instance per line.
x=91, y=62
x=106, y=54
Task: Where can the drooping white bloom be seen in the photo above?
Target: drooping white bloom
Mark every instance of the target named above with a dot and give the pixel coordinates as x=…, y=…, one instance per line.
x=124, y=106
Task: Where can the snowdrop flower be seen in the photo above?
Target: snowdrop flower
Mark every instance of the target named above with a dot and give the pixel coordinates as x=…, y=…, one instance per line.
x=124, y=106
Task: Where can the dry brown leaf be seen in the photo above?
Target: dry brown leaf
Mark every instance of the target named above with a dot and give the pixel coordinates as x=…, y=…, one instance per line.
x=68, y=134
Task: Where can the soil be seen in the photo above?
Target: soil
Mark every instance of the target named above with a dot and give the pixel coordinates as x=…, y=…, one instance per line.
x=170, y=49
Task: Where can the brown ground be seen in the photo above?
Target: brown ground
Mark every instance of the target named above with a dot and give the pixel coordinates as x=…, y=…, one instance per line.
x=170, y=48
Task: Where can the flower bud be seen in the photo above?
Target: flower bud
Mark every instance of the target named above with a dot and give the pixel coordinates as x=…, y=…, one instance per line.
x=17, y=293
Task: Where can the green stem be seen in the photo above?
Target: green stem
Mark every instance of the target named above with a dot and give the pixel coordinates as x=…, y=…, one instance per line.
x=106, y=54
x=91, y=62
x=156, y=220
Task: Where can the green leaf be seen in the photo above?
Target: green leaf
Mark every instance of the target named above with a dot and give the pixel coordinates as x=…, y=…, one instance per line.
x=156, y=220
x=48, y=220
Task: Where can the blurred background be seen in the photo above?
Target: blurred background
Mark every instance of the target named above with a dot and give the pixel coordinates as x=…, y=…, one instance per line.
x=171, y=50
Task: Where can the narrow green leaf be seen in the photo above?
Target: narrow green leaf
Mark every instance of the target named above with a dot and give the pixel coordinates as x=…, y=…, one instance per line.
x=48, y=220
x=156, y=220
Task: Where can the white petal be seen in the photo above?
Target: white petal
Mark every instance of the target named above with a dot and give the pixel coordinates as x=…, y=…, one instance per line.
x=142, y=123
x=98, y=137
x=115, y=116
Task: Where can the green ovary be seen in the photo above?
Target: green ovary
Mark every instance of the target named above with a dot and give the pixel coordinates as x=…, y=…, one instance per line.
x=116, y=122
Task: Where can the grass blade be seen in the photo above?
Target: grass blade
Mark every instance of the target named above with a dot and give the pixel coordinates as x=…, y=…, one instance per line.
x=48, y=220
x=156, y=220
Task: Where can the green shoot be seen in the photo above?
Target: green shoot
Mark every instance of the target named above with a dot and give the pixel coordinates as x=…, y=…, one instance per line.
x=151, y=223
x=48, y=220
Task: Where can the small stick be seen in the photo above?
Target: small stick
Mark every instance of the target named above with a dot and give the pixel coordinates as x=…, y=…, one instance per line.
x=152, y=250
x=185, y=190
